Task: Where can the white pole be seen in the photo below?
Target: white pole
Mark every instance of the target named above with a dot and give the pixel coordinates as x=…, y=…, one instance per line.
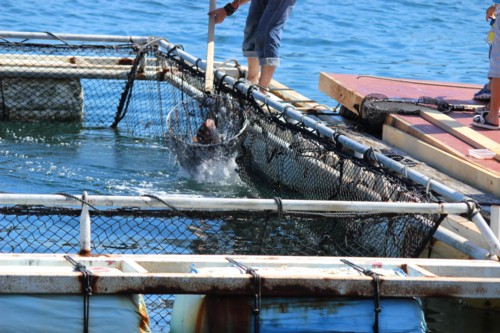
x=495, y=221
x=194, y=202
x=85, y=235
x=209, y=71
x=463, y=244
x=486, y=231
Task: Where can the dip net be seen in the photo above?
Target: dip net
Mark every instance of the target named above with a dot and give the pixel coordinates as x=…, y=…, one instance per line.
x=149, y=93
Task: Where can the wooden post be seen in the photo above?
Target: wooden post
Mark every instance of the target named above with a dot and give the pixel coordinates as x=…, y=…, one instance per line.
x=209, y=70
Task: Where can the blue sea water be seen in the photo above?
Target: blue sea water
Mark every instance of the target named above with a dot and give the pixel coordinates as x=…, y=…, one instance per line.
x=415, y=39
x=419, y=39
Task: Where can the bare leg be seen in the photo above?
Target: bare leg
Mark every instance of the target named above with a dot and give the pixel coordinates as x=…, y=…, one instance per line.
x=266, y=76
x=494, y=102
x=253, y=70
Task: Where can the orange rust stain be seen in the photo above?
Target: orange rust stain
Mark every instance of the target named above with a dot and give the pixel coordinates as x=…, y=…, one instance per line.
x=229, y=313
x=125, y=61
x=84, y=253
x=199, y=327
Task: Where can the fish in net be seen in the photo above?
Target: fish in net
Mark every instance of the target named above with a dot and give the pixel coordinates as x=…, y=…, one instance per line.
x=205, y=129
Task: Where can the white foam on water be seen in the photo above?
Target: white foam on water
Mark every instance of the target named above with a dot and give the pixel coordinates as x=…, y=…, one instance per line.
x=219, y=171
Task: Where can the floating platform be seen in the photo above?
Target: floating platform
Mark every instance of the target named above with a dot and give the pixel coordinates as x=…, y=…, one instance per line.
x=441, y=140
x=288, y=276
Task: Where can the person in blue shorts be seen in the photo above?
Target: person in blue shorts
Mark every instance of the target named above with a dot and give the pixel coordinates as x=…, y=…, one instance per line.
x=262, y=36
x=489, y=118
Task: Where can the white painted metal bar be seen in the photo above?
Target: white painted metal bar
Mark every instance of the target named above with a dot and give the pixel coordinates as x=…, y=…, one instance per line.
x=75, y=37
x=85, y=227
x=185, y=202
x=281, y=276
x=463, y=245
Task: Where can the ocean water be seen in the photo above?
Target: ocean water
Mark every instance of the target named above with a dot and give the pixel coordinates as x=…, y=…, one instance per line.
x=414, y=39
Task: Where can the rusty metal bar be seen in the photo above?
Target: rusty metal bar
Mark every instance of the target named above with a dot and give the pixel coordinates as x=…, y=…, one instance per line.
x=458, y=278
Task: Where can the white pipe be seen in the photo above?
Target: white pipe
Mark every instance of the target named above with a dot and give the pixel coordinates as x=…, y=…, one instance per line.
x=75, y=37
x=486, y=231
x=185, y=202
x=85, y=231
x=462, y=244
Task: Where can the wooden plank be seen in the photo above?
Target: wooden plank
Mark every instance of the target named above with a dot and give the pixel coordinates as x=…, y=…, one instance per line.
x=441, y=160
x=439, y=138
x=402, y=124
x=349, y=89
x=336, y=89
x=457, y=129
x=296, y=99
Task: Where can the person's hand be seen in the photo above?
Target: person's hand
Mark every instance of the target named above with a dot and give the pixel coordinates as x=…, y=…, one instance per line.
x=490, y=12
x=219, y=15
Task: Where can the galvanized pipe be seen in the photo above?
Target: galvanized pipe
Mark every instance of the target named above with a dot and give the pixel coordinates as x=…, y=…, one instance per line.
x=462, y=244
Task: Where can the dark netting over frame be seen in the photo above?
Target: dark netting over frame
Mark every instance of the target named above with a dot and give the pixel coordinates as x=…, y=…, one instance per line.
x=37, y=229
x=153, y=94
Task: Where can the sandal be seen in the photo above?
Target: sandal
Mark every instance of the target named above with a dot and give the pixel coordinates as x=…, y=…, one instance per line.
x=480, y=121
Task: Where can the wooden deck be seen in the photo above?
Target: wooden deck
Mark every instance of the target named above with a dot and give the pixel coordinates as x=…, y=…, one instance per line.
x=441, y=140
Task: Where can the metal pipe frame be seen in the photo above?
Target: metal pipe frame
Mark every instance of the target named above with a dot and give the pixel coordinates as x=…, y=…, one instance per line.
x=287, y=110
x=183, y=202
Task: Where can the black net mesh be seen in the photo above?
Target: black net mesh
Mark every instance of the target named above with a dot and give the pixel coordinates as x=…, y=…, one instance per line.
x=153, y=94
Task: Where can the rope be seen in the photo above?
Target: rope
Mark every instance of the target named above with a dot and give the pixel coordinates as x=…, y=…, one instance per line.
x=58, y=38
x=376, y=290
x=161, y=200
x=257, y=289
x=416, y=82
x=87, y=289
x=84, y=202
x=127, y=92
x=279, y=203
x=473, y=208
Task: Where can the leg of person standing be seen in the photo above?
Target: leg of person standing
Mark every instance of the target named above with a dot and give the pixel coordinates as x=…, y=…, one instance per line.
x=265, y=22
x=489, y=119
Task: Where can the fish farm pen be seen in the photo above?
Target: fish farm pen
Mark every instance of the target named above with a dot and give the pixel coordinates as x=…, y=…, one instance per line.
x=319, y=193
